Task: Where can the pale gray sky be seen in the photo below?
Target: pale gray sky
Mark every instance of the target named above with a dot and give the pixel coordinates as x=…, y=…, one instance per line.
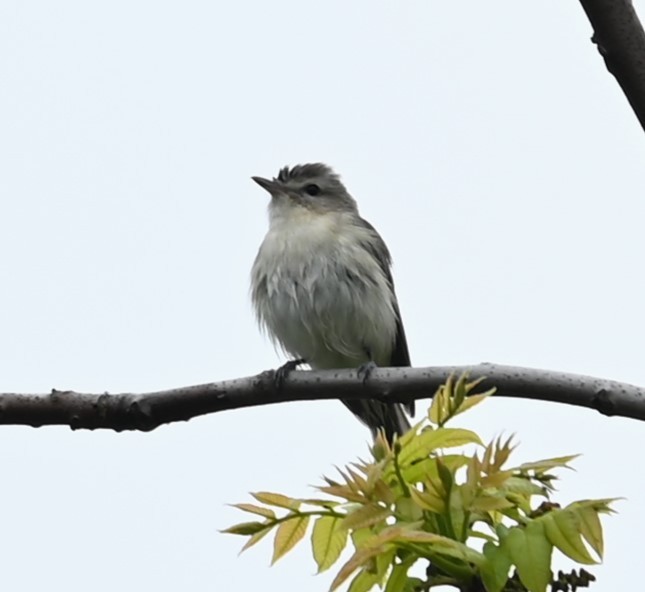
x=487, y=143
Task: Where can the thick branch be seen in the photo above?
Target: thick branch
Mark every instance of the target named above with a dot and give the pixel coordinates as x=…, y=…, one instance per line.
x=146, y=411
x=620, y=39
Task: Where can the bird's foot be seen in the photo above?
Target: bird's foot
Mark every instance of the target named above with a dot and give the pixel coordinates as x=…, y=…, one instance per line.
x=284, y=371
x=365, y=370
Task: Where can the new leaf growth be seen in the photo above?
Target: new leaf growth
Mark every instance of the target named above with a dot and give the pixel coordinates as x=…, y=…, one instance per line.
x=441, y=498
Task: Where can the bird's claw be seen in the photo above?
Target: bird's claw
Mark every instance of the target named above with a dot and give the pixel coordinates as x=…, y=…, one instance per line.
x=365, y=370
x=284, y=371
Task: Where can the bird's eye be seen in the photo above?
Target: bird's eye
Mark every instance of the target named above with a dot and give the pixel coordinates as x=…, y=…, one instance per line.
x=312, y=189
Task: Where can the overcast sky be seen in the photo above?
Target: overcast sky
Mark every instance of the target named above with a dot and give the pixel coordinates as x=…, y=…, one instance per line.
x=485, y=141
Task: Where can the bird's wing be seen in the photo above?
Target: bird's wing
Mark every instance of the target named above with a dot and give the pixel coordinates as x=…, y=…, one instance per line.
x=400, y=353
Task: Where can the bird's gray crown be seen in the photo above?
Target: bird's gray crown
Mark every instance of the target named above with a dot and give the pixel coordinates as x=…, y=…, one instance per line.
x=313, y=185
x=306, y=172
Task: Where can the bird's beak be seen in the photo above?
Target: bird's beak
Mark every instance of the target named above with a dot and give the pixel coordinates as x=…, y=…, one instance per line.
x=271, y=186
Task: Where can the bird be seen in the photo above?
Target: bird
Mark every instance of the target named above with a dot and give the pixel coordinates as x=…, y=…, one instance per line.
x=322, y=287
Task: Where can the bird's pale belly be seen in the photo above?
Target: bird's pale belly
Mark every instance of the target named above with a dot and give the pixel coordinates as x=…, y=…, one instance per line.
x=330, y=317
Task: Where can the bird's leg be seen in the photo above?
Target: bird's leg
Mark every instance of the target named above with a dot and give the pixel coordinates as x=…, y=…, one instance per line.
x=284, y=371
x=365, y=370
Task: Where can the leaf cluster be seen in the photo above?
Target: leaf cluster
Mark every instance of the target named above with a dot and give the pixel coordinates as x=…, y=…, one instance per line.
x=438, y=495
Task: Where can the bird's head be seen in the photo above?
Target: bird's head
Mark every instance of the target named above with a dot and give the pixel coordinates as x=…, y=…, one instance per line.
x=315, y=187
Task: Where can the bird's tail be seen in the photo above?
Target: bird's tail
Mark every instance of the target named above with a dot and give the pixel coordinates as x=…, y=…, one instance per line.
x=376, y=415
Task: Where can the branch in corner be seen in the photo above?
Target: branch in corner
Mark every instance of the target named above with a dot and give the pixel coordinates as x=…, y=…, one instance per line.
x=620, y=39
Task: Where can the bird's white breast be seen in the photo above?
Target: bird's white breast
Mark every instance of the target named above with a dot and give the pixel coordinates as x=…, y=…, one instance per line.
x=320, y=293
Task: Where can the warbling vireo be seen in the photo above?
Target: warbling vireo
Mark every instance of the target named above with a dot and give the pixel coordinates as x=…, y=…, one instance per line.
x=322, y=287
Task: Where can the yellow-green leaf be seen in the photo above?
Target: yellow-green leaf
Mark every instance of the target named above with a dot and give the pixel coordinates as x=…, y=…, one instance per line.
x=288, y=534
x=428, y=500
x=440, y=406
x=444, y=546
x=489, y=503
x=358, y=559
x=328, y=540
x=342, y=491
x=276, y=499
x=360, y=536
x=541, y=466
x=562, y=528
x=473, y=400
x=494, y=571
x=398, y=578
x=245, y=528
x=383, y=492
x=253, y=509
x=366, y=538
x=497, y=453
x=372, y=573
x=426, y=469
x=256, y=538
x=591, y=529
x=363, y=581
x=411, y=434
x=357, y=479
x=432, y=439
x=451, y=398
x=522, y=486
x=530, y=551
x=366, y=516
x=329, y=504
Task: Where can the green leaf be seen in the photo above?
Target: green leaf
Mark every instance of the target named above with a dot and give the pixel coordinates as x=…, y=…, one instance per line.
x=432, y=439
x=455, y=568
x=440, y=407
x=562, y=528
x=253, y=509
x=446, y=476
x=414, y=585
x=530, y=551
x=245, y=528
x=501, y=530
x=277, y=499
x=373, y=573
x=382, y=492
x=494, y=571
x=366, y=516
x=360, y=536
x=358, y=559
x=256, y=538
x=288, y=535
x=398, y=578
x=452, y=398
x=542, y=466
x=591, y=529
x=406, y=510
x=342, y=491
x=457, y=514
x=522, y=486
x=473, y=400
x=489, y=503
x=328, y=504
x=588, y=513
x=363, y=581
x=427, y=500
x=425, y=469
x=435, y=543
x=328, y=540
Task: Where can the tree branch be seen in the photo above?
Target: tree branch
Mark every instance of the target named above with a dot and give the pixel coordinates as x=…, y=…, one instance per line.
x=620, y=39
x=146, y=411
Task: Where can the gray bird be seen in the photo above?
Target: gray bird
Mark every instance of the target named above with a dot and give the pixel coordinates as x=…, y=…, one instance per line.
x=322, y=287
